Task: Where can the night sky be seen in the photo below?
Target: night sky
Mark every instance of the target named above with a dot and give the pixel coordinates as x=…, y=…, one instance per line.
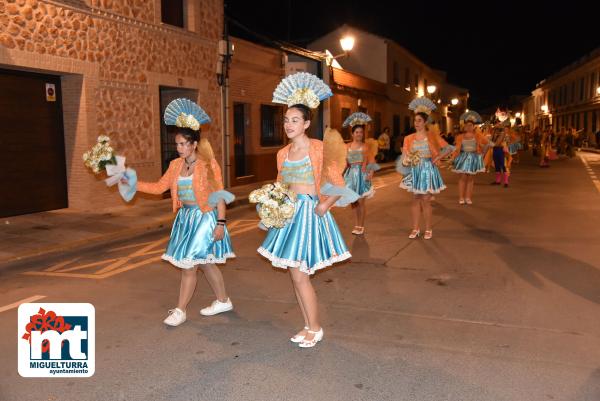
x=493, y=54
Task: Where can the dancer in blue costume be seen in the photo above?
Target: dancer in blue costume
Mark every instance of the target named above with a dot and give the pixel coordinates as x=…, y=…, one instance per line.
x=361, y=166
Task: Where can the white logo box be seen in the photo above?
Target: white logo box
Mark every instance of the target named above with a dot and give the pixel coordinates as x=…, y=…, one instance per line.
x=77, y=363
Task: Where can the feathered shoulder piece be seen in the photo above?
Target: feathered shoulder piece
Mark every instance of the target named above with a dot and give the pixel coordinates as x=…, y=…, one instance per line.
x=206, y=154
x=334, y=152
x=301, y=88
x=471, y=116
x=422, y=105
x=358, y=118
x=372, y=147
x=184, y=113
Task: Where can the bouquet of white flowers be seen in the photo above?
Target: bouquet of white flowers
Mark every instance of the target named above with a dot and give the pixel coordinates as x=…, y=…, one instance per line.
x=102, y=157
x=275, y=204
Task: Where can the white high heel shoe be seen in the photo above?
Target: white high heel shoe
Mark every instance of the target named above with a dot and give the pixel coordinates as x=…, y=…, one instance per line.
x=414, y=234
x=298, y=338
x=318, y=336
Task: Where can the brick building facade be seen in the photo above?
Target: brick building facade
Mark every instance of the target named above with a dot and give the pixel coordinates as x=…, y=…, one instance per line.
x=118, y=62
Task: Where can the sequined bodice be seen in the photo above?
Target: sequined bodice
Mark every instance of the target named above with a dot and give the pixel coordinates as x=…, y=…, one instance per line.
x=355, y=156
x=185, y=191
x=421, y=145
x=298, y=172
x=469, y=145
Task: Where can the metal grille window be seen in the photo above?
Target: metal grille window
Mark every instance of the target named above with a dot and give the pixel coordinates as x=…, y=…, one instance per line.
x=271, y=125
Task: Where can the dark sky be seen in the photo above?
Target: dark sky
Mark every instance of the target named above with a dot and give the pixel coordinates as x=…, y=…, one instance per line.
x=495, y=54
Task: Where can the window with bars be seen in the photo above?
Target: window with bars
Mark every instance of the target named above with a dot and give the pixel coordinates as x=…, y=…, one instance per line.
x=271, y=125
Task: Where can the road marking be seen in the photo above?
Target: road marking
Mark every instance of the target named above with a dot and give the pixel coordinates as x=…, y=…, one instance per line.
x=23, y=301
x=140, y=254
x=590, y=171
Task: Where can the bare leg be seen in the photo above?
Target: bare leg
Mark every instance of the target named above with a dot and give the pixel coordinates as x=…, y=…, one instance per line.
x=356, y=208
x=215, y=280
x=427, y=211
x=303, y=331
x=188, y=285
x=415, y=210
x=308, y=298
x=362, y=211
x=470, y=184
x=461, y=187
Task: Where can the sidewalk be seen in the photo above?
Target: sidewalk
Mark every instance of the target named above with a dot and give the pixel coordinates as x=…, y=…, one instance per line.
x=39, y=234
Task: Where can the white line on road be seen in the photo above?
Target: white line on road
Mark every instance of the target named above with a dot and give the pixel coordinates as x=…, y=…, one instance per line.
x=590, y=172
x=23, y=301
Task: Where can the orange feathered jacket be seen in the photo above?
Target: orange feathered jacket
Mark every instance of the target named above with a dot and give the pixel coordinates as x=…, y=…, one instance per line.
x=479, y=138
x=435, y=142
x=315, y=152
x=200, y=183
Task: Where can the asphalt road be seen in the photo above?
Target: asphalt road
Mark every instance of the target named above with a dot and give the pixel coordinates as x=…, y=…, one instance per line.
x=502, y=304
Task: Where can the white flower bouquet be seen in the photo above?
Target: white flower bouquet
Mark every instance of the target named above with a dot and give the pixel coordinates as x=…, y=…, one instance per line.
x=103, y=158
x=275, y=204
x=100, y=155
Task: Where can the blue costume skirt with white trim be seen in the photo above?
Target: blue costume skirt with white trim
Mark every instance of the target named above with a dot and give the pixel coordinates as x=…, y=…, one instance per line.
x=192, y=242
x=357, y=181
x=513, y=148
x=308, y=242
x=468, y=163
x=424, y=178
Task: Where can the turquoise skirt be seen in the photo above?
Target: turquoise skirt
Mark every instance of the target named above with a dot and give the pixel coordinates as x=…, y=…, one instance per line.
x=424, y=178
x=308, y=242
x=468, y=163
x=192, y=242
x=513, y=148
x=357, y=181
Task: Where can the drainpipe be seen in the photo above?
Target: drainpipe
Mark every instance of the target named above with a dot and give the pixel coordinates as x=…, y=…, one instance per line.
x=225, y=54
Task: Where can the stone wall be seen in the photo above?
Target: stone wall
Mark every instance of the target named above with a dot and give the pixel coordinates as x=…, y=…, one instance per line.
x=124, y=54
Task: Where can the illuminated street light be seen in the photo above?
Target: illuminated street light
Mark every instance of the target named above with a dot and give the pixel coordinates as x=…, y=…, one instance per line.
x=454, y=101
x=545, y=108
x=518, y=115
x=431, y=89
x=347, y=43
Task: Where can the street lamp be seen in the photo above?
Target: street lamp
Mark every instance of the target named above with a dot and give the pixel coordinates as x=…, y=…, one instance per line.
x=518, y=115
x=431, y=89
x=454, y=101
x=545, y=108
x=598, y=90
x=347, y=43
